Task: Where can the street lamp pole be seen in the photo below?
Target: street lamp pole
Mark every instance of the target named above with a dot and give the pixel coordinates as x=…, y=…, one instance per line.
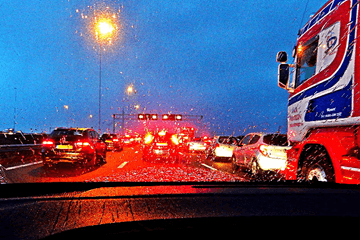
x=100, y=89
x=105, y=31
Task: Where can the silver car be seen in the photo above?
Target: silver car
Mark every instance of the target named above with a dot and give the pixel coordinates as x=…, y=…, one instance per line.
x=260, y=151
x=222, y=148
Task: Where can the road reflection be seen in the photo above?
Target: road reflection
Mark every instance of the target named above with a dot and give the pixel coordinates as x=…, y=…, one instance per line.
x=128, y=166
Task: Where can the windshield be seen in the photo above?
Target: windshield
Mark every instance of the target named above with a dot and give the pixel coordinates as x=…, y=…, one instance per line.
x=142, y=83
x=306, y=61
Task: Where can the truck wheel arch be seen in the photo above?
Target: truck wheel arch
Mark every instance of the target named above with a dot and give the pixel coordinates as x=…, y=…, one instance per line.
x=310, y=154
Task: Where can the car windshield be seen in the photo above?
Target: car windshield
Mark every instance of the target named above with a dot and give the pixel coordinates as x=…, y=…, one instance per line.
x=154, y=91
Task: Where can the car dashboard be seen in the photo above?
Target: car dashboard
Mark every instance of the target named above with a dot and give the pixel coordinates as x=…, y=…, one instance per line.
x=110, y=210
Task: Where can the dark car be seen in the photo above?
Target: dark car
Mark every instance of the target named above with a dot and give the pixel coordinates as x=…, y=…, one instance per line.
x=73, y=145
x=113, y=143
x=161, y=146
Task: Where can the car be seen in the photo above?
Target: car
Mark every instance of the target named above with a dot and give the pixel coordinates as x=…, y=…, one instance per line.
x=130, y=139
x=80, y=146
x=161, y=145
x=112, y=142
x=261, y=152
x=197, y=145
x=222, y=148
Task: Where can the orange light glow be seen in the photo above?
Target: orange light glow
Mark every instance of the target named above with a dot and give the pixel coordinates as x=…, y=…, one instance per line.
x=130, y=89
x=148, y=138
x=83, y=144
x=105, y=26
x=48, y=142
x=300, y=50
x=162, y=133
x=175, y=140
x=104, y=30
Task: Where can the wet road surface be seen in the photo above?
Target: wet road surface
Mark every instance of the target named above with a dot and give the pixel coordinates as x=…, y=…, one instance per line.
x=128, y=166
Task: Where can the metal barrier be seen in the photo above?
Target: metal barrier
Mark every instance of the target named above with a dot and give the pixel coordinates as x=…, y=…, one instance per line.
x=3, y=178
x=18, y=154
x=19, y=147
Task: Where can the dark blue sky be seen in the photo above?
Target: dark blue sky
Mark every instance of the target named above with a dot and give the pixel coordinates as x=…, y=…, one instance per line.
x=202, y=57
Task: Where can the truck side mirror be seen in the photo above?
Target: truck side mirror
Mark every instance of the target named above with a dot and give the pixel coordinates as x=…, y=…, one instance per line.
x=283, y=75
x=281, y=57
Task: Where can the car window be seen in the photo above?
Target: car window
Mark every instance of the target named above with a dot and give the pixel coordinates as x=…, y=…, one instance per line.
x=254, y=139
x=92, y=134
x=96, y=135
x=223, y=139
x=57, y=133
x=233, y=141
x=246, y=140
x=276, y=139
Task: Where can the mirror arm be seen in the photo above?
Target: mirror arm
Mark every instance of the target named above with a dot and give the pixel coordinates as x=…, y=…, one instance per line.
x=290, y=89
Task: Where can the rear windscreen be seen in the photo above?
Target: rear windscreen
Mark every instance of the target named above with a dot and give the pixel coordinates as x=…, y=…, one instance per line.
x=66, y=132
x=276, y=139
x=223, y=139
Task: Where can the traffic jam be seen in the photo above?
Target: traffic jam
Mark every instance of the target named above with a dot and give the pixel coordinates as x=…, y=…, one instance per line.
x=162, y=154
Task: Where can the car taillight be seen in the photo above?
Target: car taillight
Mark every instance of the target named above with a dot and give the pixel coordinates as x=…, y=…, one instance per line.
x=148, y=138
x=162, y=133
x=48, y=143
x=175, y=140
x=115, y=140
x=82, y=144
x=264, y=150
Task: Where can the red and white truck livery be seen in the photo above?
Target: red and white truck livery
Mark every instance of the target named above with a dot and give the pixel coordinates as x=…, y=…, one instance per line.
x=324, y=96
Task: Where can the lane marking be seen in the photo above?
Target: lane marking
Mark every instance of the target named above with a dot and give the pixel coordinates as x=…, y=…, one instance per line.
x=24, y=165
x=122, y=165
x=209, y=167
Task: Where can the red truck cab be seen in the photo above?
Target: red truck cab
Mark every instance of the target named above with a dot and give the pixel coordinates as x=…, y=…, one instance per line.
x=324, y=94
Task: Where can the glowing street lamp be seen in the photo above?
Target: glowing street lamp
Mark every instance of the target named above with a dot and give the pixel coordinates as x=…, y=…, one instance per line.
x=130, y=90
x=104, y=30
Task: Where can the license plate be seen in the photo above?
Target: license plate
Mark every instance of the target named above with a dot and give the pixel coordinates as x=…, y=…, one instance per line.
x=161, y=144
x=161, y=152
x=64, y=147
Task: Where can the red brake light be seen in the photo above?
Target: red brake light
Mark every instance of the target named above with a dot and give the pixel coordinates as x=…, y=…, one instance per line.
x=175, y=140
x=264, y=150
x=82, y=144
x=148, y=138
x=162, y=133
x=48, y=143
x=115, y=140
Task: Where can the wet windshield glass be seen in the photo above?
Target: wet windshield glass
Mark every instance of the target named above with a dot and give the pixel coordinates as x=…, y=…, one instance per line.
x=159, y=76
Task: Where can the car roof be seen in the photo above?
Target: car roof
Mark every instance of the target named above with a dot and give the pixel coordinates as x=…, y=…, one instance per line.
x=265, y=133
x=74, y=129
